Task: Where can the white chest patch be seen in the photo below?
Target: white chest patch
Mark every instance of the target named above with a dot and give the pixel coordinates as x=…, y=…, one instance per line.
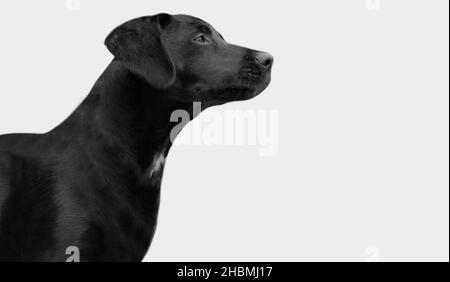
x=157, y=165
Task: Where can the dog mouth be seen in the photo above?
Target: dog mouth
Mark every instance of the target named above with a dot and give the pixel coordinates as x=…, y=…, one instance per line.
x=248, y=83
x=252, y=80
x=251, y=75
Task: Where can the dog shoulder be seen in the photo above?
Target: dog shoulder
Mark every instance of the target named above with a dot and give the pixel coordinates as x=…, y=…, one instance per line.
x=10, y=150
x=26, y=197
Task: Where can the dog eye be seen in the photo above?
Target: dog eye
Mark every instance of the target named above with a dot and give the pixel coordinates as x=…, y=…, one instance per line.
x=201, y=39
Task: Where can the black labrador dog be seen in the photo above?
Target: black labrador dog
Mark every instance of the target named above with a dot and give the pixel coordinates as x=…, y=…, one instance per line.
x=93, y=182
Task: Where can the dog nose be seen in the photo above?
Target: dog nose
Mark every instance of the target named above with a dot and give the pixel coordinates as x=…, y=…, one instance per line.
x=264, y=59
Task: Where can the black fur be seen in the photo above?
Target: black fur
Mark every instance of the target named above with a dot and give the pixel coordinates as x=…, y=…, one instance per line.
x=29, y=212
x=94, y=181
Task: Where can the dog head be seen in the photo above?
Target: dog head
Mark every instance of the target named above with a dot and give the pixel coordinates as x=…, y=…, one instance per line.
x=188, y=59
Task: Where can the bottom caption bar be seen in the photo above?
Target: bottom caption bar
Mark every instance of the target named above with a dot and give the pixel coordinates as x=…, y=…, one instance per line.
x=217, y=271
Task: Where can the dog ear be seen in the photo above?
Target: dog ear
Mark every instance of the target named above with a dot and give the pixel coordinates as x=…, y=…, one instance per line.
x=139, y=44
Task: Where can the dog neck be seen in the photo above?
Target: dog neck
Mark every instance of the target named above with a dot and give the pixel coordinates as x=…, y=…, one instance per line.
x=119, y=138
x=125, y=115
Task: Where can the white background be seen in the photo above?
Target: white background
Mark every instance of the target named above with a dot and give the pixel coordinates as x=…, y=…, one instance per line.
x=362, y=94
